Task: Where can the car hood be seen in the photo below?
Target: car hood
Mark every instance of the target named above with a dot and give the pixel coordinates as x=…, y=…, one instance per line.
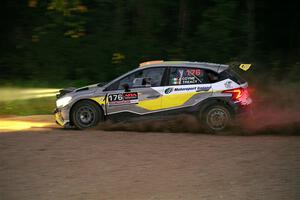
x=89, y=88
x=72, y=91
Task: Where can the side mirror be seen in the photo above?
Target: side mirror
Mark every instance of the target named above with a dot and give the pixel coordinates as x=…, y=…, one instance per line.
x=126, y=87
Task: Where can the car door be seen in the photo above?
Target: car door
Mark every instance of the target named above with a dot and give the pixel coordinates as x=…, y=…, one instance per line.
x=137, y=94
x=185, y=87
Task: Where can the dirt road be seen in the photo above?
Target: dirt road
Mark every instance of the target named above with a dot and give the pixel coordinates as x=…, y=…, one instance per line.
x=62, y=165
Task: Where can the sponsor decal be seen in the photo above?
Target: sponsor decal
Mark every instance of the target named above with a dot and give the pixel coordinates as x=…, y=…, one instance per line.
x=189, y=80
x=130, y=96
x=185, y=89
x=188, y=89
x=119, y=103
x=245, y=67
x=197, y=89
x=123, y=98
x=228, y=84
x=194, y=72
x=203, y=88
x=168, y=90
x=176, y=81
x=180, y=73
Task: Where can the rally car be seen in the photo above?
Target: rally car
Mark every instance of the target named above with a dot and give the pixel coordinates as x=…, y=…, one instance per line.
x=213, y=93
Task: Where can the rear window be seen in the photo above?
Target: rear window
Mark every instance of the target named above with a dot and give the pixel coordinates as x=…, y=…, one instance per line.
x=231, y=74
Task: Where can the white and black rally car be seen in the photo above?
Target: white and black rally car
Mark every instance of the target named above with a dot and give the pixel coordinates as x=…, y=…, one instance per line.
x=212, y=92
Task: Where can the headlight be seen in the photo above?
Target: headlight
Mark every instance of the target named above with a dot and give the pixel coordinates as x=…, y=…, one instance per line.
x=63, y=102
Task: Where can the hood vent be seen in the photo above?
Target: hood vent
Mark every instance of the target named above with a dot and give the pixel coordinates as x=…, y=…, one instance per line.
x=82, y=89
x=64, y=91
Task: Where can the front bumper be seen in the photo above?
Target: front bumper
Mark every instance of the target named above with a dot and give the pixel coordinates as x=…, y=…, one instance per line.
x=61, y=116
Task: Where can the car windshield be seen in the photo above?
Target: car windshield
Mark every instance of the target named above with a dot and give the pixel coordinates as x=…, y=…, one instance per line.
x=101, y=84
x=110, y=83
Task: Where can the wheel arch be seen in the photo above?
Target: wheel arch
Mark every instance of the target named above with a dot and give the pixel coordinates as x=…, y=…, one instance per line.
x=215, y=101
x=81, y=100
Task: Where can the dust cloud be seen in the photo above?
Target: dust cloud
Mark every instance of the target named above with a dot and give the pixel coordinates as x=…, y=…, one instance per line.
x=276, y=110
x=182, y=123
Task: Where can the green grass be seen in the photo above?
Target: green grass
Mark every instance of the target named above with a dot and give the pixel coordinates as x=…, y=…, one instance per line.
x=36, y=106
x=13, y=101
x=46, y=84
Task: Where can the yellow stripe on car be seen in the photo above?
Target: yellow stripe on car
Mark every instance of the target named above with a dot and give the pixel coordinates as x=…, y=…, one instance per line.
x=166, y=101
x=100, y=100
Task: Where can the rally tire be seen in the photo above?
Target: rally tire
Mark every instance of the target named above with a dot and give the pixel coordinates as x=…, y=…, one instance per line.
x=86, y=114
x=216, y=118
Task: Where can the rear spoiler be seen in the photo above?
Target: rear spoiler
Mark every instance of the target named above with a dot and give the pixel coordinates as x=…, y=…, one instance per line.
x=245, y=67
x=242, y=66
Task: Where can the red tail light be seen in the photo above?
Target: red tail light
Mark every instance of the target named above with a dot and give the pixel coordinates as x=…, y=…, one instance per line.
x=237, y=94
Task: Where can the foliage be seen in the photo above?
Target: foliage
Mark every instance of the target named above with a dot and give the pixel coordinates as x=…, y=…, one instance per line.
x=95, y=40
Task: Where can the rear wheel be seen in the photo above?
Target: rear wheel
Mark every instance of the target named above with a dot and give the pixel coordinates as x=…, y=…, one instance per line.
x=86, y=114
x=216, y=118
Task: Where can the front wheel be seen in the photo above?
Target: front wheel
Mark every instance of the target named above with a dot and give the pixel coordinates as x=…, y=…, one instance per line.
x=216, y=118
x=86, y=114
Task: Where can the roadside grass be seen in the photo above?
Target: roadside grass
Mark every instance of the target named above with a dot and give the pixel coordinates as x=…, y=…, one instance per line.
x=24, y=107
x=45, y=84
x=13, y=100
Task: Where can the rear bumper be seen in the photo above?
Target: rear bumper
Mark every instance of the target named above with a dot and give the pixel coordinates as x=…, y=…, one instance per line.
x=243, y=110
x=61, y=116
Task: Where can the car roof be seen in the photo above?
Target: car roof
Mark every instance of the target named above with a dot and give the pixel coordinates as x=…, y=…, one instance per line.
x=204, y=65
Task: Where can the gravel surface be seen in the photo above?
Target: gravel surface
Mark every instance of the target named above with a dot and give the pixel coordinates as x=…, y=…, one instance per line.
x=70, y=165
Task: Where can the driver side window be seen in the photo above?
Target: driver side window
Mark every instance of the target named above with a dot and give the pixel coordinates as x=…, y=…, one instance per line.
x=147, y=77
